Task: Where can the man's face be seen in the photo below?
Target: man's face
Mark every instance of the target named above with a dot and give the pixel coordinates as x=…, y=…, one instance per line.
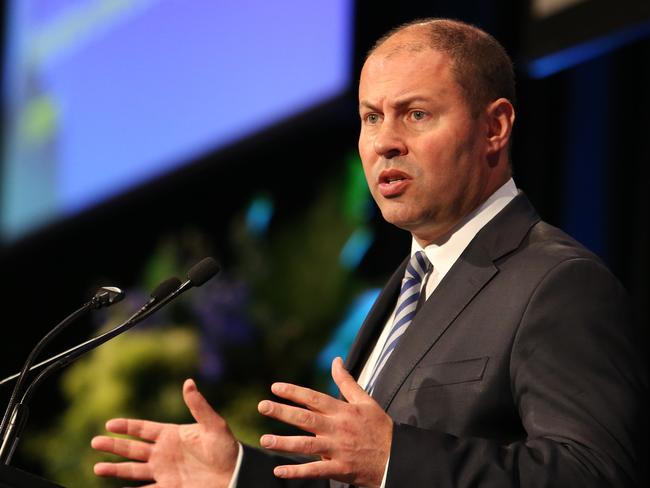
x=423, y=153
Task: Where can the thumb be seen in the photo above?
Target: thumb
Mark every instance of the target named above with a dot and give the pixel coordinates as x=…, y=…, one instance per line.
x=350, y=389
x=199, y=407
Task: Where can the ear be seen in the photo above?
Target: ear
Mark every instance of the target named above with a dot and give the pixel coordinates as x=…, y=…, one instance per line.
x=500, y=118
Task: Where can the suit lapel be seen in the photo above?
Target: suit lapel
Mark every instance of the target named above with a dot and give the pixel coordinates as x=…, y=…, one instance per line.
x=451, y=296
x=471, y=272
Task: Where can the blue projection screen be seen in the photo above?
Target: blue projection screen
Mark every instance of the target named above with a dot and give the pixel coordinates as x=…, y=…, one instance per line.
x=103, y=95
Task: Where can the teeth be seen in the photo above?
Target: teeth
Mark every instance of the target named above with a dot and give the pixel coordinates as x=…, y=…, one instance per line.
x=392, y=180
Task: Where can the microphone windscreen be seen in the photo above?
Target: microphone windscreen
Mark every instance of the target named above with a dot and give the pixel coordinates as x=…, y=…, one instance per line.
x=202, y=271
x=166, y=288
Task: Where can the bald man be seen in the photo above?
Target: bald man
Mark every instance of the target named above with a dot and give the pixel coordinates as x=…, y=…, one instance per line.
x=498, y=354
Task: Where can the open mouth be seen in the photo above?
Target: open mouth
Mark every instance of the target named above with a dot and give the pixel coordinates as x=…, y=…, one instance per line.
x=392, y=182
x=393, y=179
x=390, y=176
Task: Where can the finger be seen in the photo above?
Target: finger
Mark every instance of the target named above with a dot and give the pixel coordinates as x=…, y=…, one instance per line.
x=350, y=389
x=144, y=429
x=131, y=471
x=199, y=407
x=308, y=445
x=136, y=450
x=299, y=417
x=313, y=400
x=316, y=469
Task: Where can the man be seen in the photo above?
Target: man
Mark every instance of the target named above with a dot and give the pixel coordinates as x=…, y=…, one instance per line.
x=518, y=369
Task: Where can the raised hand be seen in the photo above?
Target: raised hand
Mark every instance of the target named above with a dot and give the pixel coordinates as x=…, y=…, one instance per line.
x=352, y=439
x=171, y=455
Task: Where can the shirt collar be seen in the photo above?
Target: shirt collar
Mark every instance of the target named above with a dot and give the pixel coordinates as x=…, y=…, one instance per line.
x=444, y=255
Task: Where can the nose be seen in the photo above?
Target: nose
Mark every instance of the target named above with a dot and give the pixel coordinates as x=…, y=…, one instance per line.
x=388, y=141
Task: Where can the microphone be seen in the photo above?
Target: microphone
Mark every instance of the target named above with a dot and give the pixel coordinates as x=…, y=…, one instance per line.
x=107, y=296
x=163, y=294
x=20, y=411
x=202, y=271
x=104, y=297
x=196, y=276
x=162, y=290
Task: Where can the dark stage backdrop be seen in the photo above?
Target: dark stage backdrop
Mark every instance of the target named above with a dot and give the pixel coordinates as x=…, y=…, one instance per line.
x=581, y=152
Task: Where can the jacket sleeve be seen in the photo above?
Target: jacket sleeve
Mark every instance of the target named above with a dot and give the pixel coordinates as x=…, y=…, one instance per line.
x=257, y=471
x=578, y=379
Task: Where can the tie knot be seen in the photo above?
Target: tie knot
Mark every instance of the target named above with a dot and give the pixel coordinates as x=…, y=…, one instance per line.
x=417, y=266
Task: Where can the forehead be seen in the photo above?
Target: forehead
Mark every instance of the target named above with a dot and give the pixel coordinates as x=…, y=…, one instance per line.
x=395, y=73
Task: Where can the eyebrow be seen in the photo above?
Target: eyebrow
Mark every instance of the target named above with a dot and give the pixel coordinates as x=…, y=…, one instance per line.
x=397, y=104
x=365, y=104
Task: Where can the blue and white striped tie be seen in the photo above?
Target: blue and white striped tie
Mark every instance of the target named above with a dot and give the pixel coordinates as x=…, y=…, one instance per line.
x=407, y=303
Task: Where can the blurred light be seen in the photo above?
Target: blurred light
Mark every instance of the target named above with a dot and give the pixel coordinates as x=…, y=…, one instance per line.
x=561, y=60
x=346, y=331
x=355, y=248
x=83, y=81
x=259, y=215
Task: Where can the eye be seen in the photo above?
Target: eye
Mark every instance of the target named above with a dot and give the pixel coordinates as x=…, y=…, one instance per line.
x=371, y=118
x=418, y=115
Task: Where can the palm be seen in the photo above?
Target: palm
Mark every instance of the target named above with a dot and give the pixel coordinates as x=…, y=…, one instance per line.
x=190, y=456
x=173, y=456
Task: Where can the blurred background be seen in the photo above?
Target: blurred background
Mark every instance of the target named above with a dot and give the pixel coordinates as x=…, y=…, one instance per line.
x=139, y=136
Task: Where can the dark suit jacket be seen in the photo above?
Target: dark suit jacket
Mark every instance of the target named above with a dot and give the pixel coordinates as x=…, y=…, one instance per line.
x=521, y=369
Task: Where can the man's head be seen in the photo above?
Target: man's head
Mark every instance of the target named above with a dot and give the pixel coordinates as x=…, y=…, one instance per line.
x=436, y=117
x=480, y=64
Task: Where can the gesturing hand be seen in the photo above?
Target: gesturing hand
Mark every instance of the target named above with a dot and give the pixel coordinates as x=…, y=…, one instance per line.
x=171, y=455
x=352, y=439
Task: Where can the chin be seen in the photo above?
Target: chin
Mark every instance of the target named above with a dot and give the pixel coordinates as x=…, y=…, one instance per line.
x=400, y=221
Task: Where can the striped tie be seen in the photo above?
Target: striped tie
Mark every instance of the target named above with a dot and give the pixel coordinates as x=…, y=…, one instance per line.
x=404, y=312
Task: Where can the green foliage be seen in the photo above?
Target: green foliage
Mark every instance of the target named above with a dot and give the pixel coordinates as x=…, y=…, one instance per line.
x=357, y=201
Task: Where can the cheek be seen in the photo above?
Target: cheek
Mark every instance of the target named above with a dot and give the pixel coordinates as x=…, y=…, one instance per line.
x=371, y=183
x=444, y=164
x=365, y=147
